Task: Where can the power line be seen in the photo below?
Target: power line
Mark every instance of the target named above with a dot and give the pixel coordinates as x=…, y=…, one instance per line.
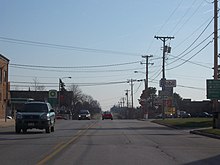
x=191, y=56
x=58, y=46
x=73, y=67
x=182, y=17
x=168, y=19
x=188, y=18
x=178, y=58
x=55, y=84
x=78, y=71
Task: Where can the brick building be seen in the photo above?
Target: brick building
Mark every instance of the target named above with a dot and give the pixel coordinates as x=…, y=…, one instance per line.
x=4, y=85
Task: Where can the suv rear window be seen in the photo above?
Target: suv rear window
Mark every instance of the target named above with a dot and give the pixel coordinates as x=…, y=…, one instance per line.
x=35, y=107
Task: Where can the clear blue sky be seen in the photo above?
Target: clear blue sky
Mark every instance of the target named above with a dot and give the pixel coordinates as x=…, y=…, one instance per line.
x=73, y=33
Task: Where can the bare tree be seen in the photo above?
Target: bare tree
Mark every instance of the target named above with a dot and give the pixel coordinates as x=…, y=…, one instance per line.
x=37, y=86
x=76, y=95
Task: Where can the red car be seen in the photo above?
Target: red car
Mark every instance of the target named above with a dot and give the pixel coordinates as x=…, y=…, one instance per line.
x=107, y=115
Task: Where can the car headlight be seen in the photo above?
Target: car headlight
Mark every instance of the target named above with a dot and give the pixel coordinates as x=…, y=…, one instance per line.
x=79, y=115
x=19, y=116
x=45, y=116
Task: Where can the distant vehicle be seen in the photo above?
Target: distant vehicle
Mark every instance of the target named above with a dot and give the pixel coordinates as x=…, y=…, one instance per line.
x=204, y=114
x=84, y=115
x=60, y=117
x=39, y=115
x=107, y=115
x=159, y=116
x=184, y=114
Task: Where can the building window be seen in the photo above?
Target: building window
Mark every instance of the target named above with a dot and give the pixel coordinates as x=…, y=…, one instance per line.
x=5, y=76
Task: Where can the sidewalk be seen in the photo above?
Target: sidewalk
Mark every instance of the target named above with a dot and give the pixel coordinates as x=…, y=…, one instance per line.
x=8, y=123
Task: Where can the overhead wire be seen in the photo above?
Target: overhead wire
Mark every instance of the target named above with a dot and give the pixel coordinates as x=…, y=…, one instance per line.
x=182, y=17
x=191, y=56
x=182, y=54
x=59, y=46
x=189, y=18
x=78, y=71
x=165, y=22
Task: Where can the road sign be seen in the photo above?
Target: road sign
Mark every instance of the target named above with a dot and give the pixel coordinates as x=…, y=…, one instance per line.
x=53, y=94
x=213, y=89
x=168, y=83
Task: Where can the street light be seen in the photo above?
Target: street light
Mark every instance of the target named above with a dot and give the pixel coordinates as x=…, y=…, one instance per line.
x=60, y=80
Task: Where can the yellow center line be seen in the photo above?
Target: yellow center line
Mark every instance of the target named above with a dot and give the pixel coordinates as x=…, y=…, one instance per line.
x=59, y=147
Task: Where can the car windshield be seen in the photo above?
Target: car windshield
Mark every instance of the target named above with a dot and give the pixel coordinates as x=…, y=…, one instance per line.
x=35, y=107
x=84, y=112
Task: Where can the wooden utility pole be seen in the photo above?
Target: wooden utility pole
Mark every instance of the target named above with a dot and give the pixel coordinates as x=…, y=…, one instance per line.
x=215, y=101
x=146, y=83
x=147, y=63
x=163, y=39
x=127, y=96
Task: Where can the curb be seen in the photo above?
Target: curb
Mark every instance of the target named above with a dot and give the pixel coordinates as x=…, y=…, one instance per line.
x=197, y=132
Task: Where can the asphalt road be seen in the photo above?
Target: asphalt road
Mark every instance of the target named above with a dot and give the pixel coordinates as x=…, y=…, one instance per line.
x=107, y=142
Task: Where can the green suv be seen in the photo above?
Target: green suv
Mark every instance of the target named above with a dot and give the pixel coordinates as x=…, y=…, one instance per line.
x=39, y=115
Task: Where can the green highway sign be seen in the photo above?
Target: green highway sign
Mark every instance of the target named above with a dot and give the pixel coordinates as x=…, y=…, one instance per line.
x=213, y=89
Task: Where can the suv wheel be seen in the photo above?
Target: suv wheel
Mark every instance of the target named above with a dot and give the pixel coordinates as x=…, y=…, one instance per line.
x=17, y=129
x=24, y=130
x=48, y=129
x=52, y=129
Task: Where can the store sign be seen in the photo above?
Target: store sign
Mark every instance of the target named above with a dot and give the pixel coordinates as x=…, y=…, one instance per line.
x=52, y=94
x=167, y=83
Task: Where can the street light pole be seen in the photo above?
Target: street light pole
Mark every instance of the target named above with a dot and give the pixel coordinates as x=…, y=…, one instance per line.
x=60, y=81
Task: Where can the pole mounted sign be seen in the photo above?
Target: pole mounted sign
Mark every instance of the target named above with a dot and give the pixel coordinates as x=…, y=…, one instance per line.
x=52, y=98
x=213, y=89
x=53, y=94
x=168, y=83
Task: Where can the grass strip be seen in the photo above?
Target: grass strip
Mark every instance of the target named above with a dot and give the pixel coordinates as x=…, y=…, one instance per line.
x=186, y=122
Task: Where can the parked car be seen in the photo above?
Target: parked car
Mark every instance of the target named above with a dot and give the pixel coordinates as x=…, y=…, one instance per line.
x=39, y=115
x=184, y=114
x=84, y=115
x=107, y=115
x=204, y=114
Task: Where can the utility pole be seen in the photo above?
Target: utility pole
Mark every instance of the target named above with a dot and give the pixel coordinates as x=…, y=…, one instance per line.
x=163, y=39
x=215, y=101
x=123, y=101
x=132, y=94
x=146, y=82
x=127, y=102
x=147, y=58
x=127, y=96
